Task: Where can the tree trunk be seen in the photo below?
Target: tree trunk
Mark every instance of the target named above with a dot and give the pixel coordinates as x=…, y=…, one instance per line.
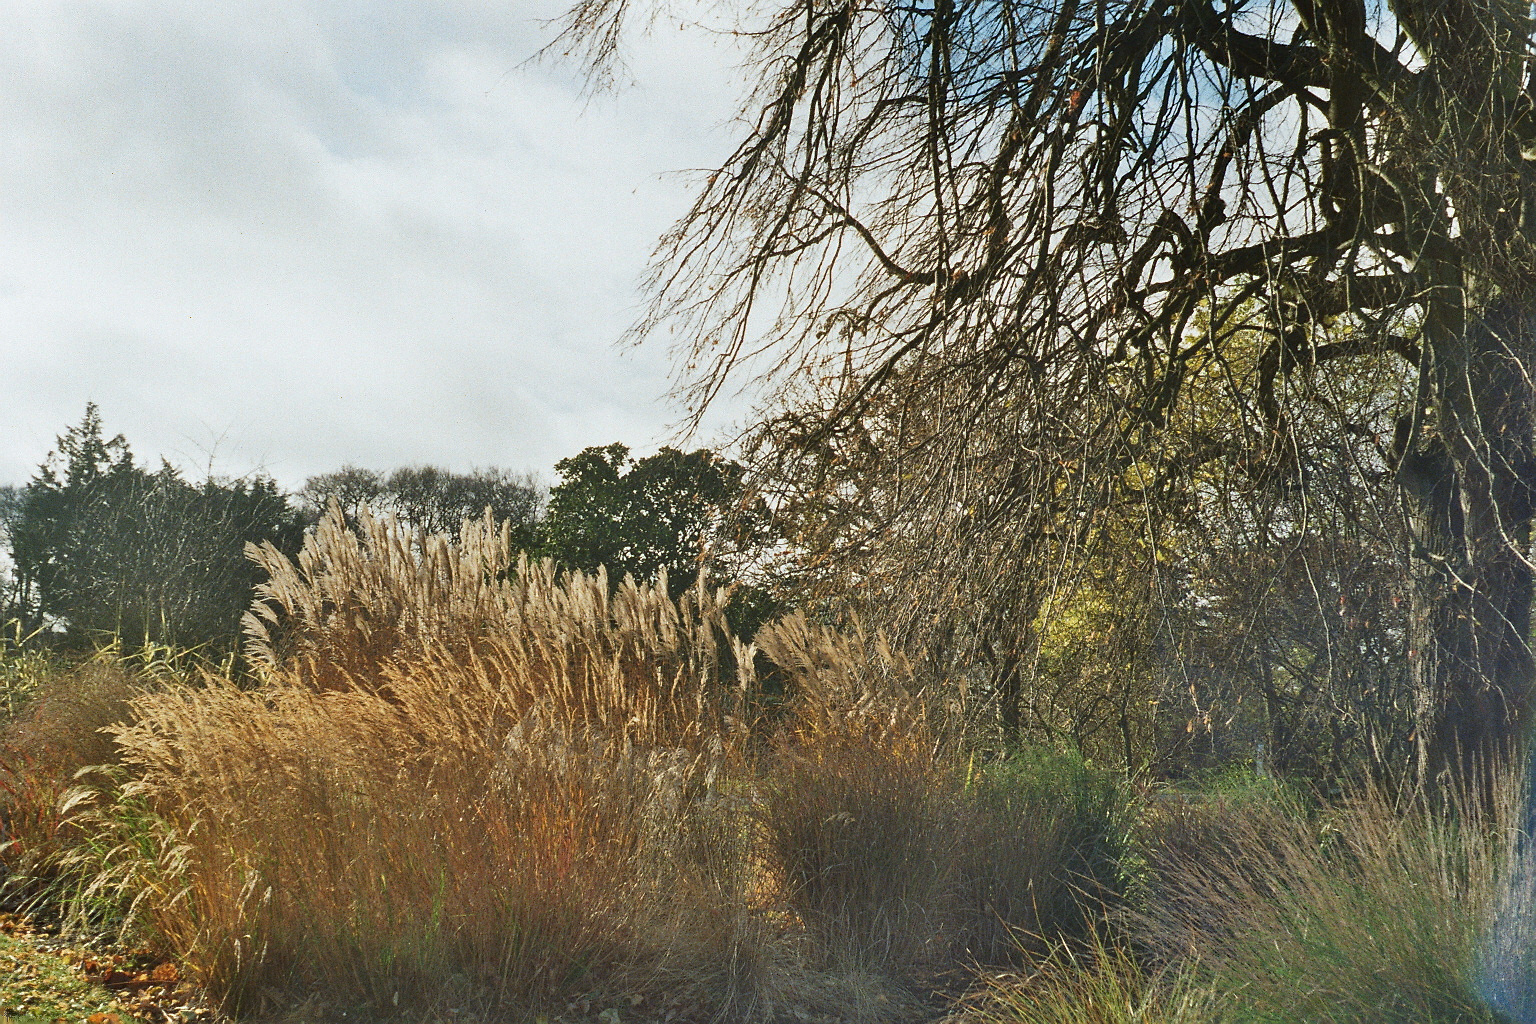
x=1281, y=736
x=1467, y=480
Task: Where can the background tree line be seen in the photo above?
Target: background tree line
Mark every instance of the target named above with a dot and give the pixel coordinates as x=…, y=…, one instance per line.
x=103, y=547
x=1206, y=612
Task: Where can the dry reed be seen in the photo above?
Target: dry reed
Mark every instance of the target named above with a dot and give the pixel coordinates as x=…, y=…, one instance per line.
x=464, y=782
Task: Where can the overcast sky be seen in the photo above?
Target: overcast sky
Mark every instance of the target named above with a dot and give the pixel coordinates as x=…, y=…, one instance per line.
x=288, y=235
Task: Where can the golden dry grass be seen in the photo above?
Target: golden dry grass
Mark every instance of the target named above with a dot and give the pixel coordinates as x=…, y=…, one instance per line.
x=461, y=781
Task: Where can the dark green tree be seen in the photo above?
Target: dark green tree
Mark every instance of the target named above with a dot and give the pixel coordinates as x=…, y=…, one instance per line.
x=11, y=497
x=682, y=512
x=85, y=476
x=102, y=546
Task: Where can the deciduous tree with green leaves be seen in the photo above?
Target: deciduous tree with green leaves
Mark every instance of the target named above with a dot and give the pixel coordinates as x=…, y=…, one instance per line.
x=679, y=512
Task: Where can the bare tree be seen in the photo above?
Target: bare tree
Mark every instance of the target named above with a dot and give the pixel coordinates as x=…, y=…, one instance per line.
x=351, y=487
x=1006, y=209
x=1170, y=619
x=430, y=498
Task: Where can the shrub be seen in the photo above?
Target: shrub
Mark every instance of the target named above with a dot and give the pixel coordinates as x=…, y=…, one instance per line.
x=860, y=808
x=49, y=833
x=863, y=845
x=26, y=664
x=894, y=857
x=60, y=730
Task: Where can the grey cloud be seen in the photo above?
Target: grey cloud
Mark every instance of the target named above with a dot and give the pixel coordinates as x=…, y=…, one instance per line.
x=310, y=234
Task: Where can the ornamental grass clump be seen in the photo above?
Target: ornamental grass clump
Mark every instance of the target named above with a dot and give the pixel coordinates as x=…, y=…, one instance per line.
x=860, y=806
x=1096, y=983
x=1046, y=856
x=464, y=783
x=458, y=782
x=1377, y=910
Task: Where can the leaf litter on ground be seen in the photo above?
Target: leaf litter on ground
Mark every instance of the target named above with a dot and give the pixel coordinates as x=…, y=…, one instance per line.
x=46, y=978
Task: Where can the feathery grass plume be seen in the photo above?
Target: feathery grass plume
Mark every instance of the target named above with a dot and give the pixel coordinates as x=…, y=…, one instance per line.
x=462, y=784
x=358, y=597
x=122, y=858
x=1371, y=912
x=853, y=685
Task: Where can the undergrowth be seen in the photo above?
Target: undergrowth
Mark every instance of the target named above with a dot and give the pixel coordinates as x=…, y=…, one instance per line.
x=1375, y=909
